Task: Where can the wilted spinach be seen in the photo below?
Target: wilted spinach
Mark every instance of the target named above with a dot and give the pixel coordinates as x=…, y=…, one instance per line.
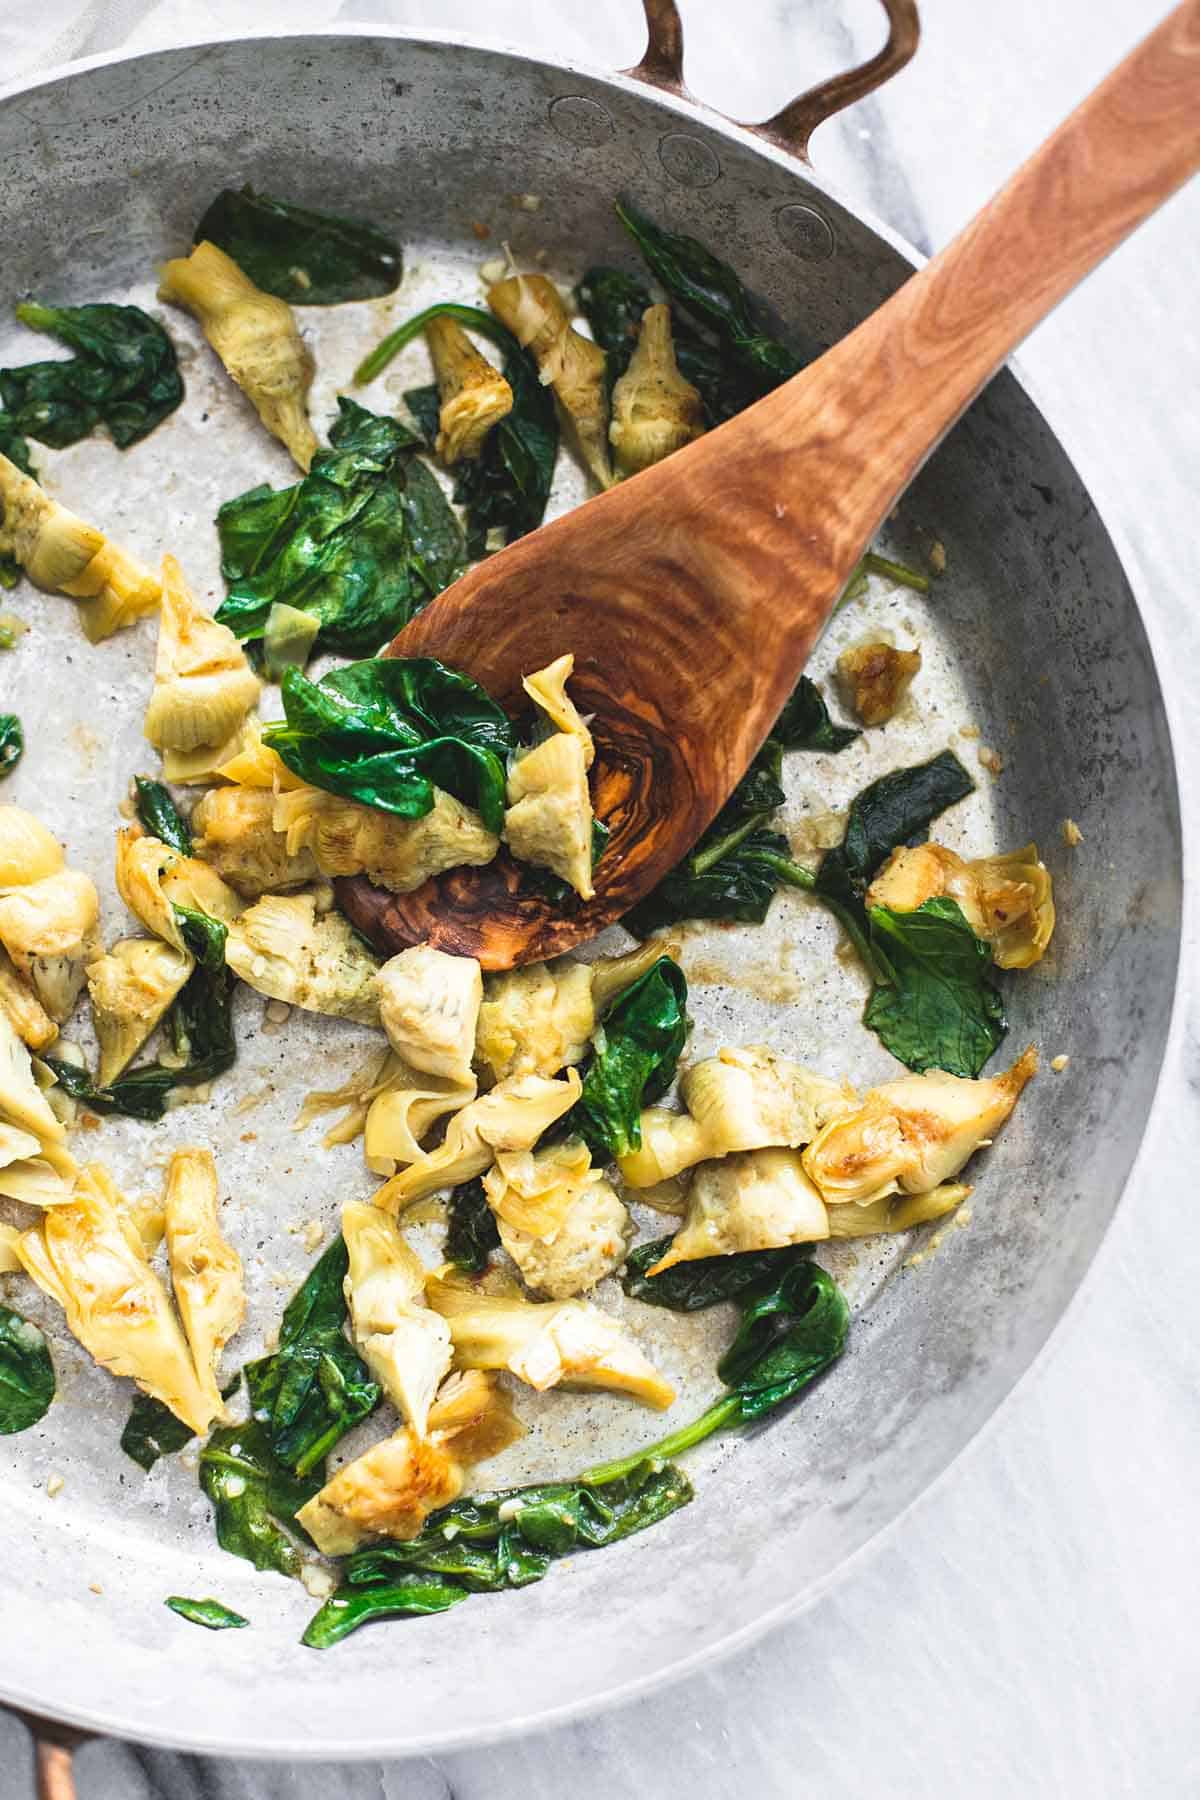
x=636, y=1050
x=12, y=743
x=201, y=1022
x=310, y=258
x=613, y=302
x=471, y=1231
x=26, y=1373
x=387, y=730
x=362, y=543
x=488, y=1542
x=794, y=1324
x=709, y=291
x=123, y=375
x=160, y=817
x=344, y=1613
x=692, y=1286
x=804, y=723
x=505, y=488
x=739, y=863
x=152, y=1430
x=314, y=1387
x=15, y=446
x=253, y=1496
x=935, y=1007
x=210, y=1613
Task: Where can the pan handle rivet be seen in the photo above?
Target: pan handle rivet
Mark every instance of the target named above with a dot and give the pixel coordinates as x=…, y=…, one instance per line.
x=688, y=160
x=580, y=120
x=805, y=232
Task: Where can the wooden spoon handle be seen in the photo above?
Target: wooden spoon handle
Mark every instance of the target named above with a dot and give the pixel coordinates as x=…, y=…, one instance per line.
x=904, y=376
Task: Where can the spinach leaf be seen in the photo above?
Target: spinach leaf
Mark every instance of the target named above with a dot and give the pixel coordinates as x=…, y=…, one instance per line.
x=936, y=1009
x=636, y=1050
x=488, y=1542
x=124, y=375
x=731, y=874
x=362, y=543
x=310, y=258
x=613, y=302
x=387, y=730
x=26, y=1373
x=12, y=743
x=160, y=817
x=794, y=1324
x=254, y=1496
x=152, y=1430
x=471, y=1232
x=710, y=292
x=791, y=1329
x=890, y=812
x=202, y=1021
x=315, y=1386
x=505, y=488
x=344, y=1613
x=209, y=1613
x=692, y=1286
x=804, y=723
x=15, y=446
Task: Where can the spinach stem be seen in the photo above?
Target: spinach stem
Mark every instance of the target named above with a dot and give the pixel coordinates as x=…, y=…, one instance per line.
x=377, y=360
x=723, y=1412
x=707, y=859
x=874, y=564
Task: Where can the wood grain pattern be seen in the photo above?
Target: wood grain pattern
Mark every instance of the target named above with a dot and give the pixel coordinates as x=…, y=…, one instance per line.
x=692, y=594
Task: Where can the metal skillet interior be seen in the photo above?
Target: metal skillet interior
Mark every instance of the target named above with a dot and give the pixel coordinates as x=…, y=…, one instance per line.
x=1031, y=639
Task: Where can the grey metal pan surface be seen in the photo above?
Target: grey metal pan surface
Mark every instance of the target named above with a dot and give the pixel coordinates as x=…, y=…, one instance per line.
x=1034, y=648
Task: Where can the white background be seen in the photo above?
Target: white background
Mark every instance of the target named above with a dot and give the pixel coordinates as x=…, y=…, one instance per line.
x=1031, y=1628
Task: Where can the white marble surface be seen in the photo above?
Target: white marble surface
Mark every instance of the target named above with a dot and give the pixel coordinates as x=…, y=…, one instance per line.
x=1032, y=1626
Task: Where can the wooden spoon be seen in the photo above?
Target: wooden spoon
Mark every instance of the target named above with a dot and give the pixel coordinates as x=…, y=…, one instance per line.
x=692, y=594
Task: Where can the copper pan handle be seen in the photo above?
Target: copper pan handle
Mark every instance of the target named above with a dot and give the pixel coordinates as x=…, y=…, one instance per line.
x=54, y=1748
x=793, y=125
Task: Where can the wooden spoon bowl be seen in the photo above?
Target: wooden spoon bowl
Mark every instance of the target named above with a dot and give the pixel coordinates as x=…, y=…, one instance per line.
x=692, y=594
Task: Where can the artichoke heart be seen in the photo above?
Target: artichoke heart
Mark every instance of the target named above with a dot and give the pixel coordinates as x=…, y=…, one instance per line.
x=152, y=880
x=532, y=309
x=512, y=1116
x=256, y=337
x=429, y=1003
x=203, y=685
x=62, y=555
x=22, y=1102
x=1008, y=900
x=655, y=410
x=536, y=1020
x=404, y=1344
x=346, y=838
x=751, y=1200
x=392, y=1488
x=549, y=817
x=561, y=1222
x=28, y=851
x=49, y=930
x=89, y=1257
x=206, y=1271
x=741, y=1099
x=545, y=1343
x=22, y=1008
x=404, y=1110
x=474, y=396
x=131, y=988
x=283, y=948
x=911, y=1136
x=235, y=835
